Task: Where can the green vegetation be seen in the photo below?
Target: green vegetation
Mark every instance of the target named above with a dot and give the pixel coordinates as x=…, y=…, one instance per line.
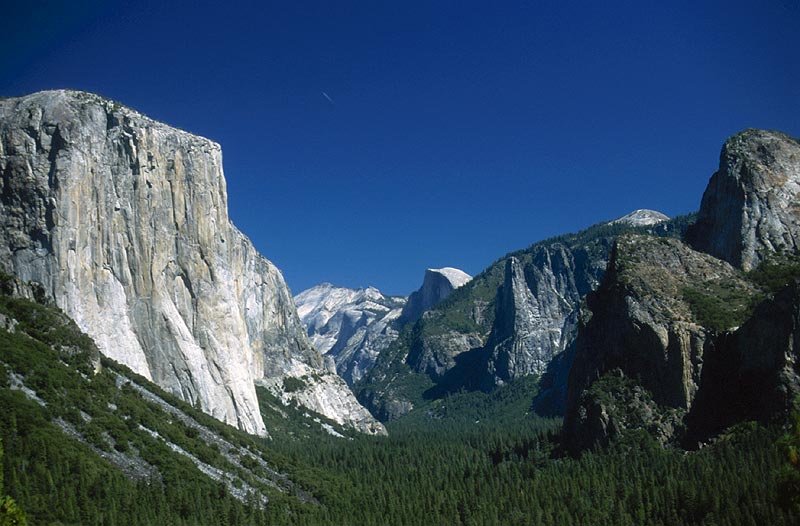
x=292, y=384
x=392, y=379
x=478, y=458
x=10, y=513
x=721, y=305
x=774, y=274
x=789, y=474
x=614, y=386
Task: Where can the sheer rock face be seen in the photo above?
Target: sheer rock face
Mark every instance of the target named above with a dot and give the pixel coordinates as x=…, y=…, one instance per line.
x=751, y=207
x=124, y=222
x=349, y=326
x=532, y=316
x=640, y=323
x=436, y=286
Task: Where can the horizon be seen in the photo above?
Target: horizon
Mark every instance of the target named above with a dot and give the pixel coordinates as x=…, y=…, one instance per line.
x=363, y=145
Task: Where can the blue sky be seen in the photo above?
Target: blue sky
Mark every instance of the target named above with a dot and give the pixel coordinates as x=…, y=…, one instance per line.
x=365, y=141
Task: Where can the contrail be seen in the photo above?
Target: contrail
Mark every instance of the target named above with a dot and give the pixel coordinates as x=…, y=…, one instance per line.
x=327, y=97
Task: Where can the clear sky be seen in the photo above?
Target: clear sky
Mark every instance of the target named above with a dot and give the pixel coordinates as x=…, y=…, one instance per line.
x=366, y=141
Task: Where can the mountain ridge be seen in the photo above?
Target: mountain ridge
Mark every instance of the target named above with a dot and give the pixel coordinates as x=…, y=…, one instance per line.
x=462, y=344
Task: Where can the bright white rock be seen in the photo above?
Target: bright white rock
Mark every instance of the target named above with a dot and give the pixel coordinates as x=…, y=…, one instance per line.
x=351, y=326
x=124, y=221
x=642, y=217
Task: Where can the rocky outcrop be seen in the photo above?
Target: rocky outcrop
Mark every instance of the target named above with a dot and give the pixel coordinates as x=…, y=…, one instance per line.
x=532, y=320
x=124, y=223
x=350, y=326
x=436, y=286
x=614, y=404
x=751, y=207
x=651, y=320
x=325, y=393
x=534, y=299
x=679, y=326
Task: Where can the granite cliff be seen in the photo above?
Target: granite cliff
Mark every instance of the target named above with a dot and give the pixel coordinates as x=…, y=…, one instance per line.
x=646, y=326
x=124, y=223
x=750, y=208
x=437, y=284
x=752, y=373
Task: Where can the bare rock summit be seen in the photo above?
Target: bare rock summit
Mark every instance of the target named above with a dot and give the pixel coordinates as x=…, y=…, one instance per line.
x=751, y=207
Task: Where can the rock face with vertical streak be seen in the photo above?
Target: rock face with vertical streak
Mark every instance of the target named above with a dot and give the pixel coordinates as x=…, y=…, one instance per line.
x=530, y=325
x=751, y=207
x=124, y=222
x=752, y=373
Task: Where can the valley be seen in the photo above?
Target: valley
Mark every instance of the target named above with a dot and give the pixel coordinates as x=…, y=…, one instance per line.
x=471, y=458
x=156, y=369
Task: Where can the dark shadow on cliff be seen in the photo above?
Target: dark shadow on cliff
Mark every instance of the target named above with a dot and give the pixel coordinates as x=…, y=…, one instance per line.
x=466, y=375
x=552, y=398
x=752, y=373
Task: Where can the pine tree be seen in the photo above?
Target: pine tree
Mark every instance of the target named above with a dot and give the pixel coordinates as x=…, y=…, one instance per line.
x=10, y=513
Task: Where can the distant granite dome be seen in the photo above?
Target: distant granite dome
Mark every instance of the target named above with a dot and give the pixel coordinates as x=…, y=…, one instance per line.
x=436, y=286
x=642, y=217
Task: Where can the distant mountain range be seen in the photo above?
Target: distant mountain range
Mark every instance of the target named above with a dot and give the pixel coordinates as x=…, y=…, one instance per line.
x=351, y=327
x=508, y=322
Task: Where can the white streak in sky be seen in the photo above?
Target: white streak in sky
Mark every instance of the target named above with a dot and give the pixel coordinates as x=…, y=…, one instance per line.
x=327, y=97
